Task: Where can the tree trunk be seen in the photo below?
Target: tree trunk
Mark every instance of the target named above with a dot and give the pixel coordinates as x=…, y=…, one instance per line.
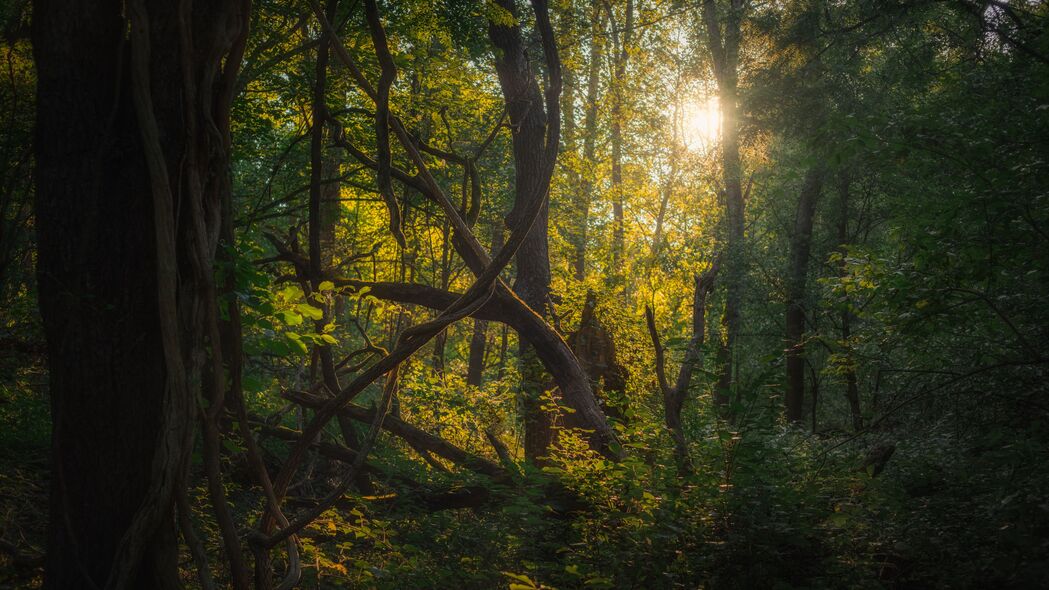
x=723, y=44
x=478, y=341
x=323, y=210
x=528, y=121
x=623, y=42
x=586, y=187
x=440, y=341
x=479, y=336
x=126, y=294
x=852, y=390
x=674, y=397
x=797, y=279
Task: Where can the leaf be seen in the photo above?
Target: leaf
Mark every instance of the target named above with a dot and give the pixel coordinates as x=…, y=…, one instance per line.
x=297, y=341
x=291, y=293
x=291, y=318
x=309, y=311
x=326, y=286
x=527, y=582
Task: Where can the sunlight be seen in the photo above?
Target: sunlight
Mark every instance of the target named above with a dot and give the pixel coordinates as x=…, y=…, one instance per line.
x=701, y=124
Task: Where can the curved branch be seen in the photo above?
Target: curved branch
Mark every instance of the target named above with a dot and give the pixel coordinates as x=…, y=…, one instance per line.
x=382, y=116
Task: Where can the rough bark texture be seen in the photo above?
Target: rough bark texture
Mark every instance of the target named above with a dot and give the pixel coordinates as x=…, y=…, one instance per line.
x=593, y=345
x=797, y=280
x=117, y=134
x=528, y=121
x=96, y=257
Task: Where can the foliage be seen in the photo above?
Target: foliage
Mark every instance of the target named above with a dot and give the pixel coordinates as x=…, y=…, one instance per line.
x=927, y=298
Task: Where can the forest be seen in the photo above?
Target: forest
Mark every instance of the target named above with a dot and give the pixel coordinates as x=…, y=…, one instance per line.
x=524, y=294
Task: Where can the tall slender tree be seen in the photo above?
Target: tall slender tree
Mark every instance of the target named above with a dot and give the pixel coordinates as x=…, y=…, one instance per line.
x=722, y=23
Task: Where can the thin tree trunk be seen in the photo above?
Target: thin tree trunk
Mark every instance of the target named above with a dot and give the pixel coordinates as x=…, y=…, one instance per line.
x=586, y=188
x=479, y=336
x=475, y=366
x=674, y=397
x=797, y=281
x=723, y=45
x=852, y=390
x=322, y=229
x=504, y=346
x=441, y=340
x=619, y=82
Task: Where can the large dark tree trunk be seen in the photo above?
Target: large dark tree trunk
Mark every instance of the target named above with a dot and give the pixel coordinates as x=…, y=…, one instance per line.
x=797, y=281
x=96, y=259
x=528, y=122
x=116, y=136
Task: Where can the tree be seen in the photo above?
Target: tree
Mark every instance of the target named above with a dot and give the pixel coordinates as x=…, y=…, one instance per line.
x=132, y=183
x=529, y=123
x=797, y=277
x=723, y=36
x=622, y=40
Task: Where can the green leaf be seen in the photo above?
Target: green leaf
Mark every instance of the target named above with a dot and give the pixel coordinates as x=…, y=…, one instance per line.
x=520, y=578
x=309, y=311
x=326, y=286
x=291, y=293
x=291, y=318
x=297, y=341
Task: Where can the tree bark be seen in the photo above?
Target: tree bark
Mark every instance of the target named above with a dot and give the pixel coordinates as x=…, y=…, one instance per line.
x=723, y=45
x=674, y=397
x=797, y=280
x=478, y=342
x=323, y=207
x=588, y=164
x=127, y=300
x=528, y=120
x=623, y=41
x=852, y=389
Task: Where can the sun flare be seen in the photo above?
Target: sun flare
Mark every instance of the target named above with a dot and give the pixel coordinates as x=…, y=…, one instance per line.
x=701, y=123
